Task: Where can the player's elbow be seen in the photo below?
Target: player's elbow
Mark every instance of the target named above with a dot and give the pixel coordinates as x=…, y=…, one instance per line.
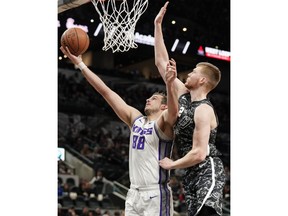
x=200, y=156
x=158, y=63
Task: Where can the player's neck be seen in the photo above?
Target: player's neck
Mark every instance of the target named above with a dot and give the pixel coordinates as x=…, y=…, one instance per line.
x=152, y=117
x=197, y=95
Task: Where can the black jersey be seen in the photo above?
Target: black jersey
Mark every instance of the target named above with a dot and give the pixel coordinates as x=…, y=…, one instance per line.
x=204, y=182
x=185, y=125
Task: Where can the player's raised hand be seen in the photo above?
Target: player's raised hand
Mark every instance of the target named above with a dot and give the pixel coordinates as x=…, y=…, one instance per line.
x=75, y=59
x=159, y=17
x=171, y=71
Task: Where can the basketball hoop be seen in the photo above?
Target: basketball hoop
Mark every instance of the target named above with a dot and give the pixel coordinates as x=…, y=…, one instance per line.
x=119, y=21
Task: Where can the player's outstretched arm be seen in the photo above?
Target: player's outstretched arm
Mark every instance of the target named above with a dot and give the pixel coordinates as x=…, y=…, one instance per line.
x=125, y=112
x=161, y=54
x=169, y=116
x=197, y=154
x=172, y=100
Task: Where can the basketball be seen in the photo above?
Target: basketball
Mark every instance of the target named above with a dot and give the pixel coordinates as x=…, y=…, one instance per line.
x=76, y=39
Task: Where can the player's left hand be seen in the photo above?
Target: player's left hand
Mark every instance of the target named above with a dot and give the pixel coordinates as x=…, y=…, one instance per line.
x=166, y=163
x=171, y=71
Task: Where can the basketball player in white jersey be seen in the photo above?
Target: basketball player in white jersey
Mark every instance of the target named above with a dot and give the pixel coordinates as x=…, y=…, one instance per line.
x=150, y=141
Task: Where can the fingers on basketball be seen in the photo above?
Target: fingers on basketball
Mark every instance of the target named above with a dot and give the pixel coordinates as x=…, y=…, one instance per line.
x=76, y=39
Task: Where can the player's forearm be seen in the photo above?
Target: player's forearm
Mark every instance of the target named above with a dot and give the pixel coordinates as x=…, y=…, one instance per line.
x=172, y=101
x=190, y=159
x=161, y=54
x=95, y=81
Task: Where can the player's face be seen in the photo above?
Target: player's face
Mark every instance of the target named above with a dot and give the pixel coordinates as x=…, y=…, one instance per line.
x=153, y=104
x=193, y=78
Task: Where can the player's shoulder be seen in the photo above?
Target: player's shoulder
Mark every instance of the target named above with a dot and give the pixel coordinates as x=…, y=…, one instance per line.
x=203, y=107
x=137, y=118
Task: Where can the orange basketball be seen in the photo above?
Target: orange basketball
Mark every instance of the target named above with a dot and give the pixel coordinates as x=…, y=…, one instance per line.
x=76, y=39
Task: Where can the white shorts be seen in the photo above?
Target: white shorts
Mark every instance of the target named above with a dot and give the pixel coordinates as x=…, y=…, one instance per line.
x=149, y=201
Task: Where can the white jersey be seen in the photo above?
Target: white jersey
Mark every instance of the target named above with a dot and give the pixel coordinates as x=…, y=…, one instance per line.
x=147, y=147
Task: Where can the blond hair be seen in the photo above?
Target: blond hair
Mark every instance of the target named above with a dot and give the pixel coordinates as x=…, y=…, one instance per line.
x=211, y=72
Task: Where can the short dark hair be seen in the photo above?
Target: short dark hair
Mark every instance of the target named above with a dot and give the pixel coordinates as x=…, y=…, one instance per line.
x=163, y=94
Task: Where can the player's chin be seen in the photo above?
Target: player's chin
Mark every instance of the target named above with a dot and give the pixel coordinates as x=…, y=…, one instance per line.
x=146, y=111
x=186, y=84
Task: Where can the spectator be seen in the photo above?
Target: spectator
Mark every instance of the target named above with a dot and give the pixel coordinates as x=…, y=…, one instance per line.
x=91, y=213
x=99, y=179
x=107, y=213
x=60, y=189
x=98, y=212
x=71, y=212
x=85, y=188
x=85, y=211
x=86, y=151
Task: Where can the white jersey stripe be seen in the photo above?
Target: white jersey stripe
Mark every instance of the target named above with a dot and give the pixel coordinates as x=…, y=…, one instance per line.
x=212, y=185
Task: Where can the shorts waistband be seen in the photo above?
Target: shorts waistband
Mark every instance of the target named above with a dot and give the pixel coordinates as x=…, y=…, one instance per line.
x=145, y=188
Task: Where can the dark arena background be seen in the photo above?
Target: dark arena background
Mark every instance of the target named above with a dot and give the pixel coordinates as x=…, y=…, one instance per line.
x=91, y=138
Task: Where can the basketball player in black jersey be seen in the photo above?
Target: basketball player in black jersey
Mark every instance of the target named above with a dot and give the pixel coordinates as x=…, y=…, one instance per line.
x=195, y=132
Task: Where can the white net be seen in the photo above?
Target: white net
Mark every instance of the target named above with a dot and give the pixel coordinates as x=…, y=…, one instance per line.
x=119, y=21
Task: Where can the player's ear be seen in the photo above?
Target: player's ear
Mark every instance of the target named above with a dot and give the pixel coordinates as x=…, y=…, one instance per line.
x=163, y=106
x=203, y=80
